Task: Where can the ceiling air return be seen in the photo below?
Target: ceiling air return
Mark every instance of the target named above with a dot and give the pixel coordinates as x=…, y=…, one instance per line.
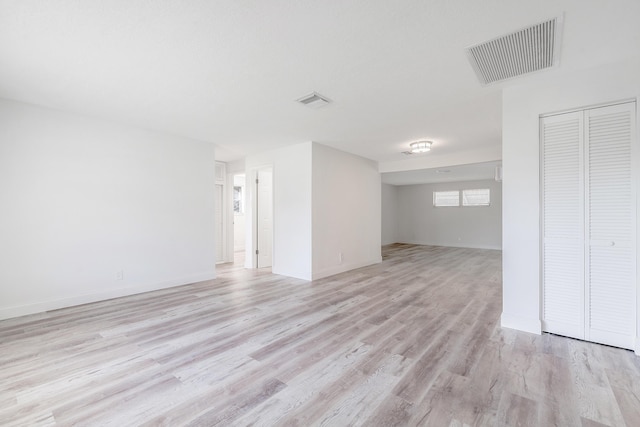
x=314, y=100
x=525, y=51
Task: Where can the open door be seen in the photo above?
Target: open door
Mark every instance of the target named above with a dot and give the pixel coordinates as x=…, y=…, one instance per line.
x=264, y=216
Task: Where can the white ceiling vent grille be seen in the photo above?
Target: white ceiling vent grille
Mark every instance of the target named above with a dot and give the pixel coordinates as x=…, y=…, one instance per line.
x=314, y=100
x=525, y=51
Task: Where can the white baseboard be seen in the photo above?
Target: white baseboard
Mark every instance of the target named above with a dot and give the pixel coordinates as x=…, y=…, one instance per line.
x=55, y=304
x=341, y=268
x=303, y=275
x=510, y=321
x=457, y=245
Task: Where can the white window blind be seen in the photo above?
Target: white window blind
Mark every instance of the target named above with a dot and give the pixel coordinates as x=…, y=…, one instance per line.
x=446, y=198
x=476, y=197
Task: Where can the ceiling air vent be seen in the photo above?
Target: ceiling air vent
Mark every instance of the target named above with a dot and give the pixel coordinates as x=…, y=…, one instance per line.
x=314, y=100
x=525, y=51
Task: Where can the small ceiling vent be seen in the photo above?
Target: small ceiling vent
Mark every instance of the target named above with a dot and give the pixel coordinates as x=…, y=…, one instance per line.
x=314, y=100
x=525, y=51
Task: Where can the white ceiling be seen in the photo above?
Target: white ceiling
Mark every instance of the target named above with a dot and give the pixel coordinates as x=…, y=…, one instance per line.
x=228, y=71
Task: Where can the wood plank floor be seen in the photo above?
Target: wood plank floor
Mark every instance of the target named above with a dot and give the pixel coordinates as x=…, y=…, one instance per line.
x=414, y=340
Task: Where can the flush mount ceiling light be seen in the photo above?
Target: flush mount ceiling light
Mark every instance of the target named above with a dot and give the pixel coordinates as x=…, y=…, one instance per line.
x=314, y=100
x=420, y=146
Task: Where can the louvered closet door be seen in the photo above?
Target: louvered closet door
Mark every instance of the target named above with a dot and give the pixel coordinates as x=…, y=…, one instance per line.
x=563, y=225
x=588, y=224
x=611, y=288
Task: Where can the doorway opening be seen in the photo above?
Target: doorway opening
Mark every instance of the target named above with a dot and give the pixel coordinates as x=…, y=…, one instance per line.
x=239, y=218
x=264, y=217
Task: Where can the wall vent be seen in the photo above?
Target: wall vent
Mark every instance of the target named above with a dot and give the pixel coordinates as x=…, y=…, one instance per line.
x=314, y=100
x=530, y=49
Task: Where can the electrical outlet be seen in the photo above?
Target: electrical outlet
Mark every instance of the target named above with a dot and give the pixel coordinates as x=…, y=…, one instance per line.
x=119, y=275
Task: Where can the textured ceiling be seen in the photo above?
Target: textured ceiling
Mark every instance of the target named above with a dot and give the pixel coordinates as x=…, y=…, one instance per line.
x=228, y=71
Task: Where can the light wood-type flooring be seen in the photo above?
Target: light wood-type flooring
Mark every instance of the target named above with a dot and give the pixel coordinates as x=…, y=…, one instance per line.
x=414, y=340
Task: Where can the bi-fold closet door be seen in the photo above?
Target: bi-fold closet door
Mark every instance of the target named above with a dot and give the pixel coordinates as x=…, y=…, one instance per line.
x=588, y=224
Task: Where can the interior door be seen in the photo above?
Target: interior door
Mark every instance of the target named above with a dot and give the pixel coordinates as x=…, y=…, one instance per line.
x=264, y=216
x=589, y=224
x=611, y=266
x=563, y=224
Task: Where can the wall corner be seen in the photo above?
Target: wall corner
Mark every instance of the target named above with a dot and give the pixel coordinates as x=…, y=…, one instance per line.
x=533, y=326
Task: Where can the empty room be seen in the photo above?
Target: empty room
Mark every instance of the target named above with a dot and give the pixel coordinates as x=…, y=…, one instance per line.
x=304, y=213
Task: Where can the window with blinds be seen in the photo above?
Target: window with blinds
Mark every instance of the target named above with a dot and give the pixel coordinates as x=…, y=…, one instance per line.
x=476, y=197
x=446, y=198
x=472, y=197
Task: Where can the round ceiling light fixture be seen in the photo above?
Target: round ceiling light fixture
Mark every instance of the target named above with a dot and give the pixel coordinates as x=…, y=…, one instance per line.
x=420, y=146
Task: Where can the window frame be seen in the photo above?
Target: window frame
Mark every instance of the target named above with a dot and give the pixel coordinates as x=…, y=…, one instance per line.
x=435, y=205
x=462, y=199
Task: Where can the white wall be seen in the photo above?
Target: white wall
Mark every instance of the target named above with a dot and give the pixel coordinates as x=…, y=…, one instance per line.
x=236, y=167
x=522, y=106
x=346, y=211
x=291, y=209
x=419, y=222
x=325, y=202
x=389, y=202
x=83, y=200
